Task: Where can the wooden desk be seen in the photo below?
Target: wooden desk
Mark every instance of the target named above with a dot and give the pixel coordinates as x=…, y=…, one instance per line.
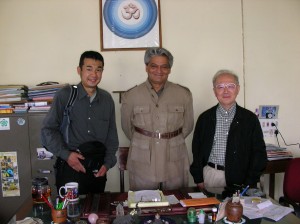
x=105, y=212
x=273, y=167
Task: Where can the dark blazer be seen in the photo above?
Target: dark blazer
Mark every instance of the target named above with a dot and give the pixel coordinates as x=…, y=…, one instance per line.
x=246, y=156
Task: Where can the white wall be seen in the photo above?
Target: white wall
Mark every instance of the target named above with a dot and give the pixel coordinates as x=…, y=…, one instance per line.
x=41, y=40
x=272, y=55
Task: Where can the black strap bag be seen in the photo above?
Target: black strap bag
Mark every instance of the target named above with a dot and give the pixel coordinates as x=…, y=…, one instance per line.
x=94, y=153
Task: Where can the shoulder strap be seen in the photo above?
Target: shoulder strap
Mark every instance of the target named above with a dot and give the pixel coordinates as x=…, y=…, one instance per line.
x=72, y=97
x=64, y=128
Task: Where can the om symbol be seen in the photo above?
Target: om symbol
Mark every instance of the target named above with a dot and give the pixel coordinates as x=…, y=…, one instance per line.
x=131, y=11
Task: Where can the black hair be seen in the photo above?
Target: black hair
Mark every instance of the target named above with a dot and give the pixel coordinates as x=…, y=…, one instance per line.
x=90, y=54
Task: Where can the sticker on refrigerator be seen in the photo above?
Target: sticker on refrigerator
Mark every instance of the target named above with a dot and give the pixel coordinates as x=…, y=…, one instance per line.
x=4, y=123
x=43, y=154
x=9, y=174
x=21, y=121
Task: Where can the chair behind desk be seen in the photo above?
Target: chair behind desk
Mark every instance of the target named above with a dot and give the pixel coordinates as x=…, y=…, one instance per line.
x=291, y=186
x=123, y=154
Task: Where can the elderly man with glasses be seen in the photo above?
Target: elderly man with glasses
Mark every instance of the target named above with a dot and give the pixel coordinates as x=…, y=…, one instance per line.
x=228, y=146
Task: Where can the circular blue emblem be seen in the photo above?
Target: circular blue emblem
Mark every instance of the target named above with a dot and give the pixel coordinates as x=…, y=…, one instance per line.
x=130, y=19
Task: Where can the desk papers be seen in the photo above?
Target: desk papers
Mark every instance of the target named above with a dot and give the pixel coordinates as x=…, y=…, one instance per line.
x=197, y=195
x=264, y=209
x=146, y=198
x=172, y=199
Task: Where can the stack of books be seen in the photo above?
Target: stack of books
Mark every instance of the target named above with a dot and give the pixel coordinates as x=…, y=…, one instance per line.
x=13, y=94
x=44, y=92
x=20, y=108
x=38, y=106
x=41, y=97
x=6, y=108
x=277, y=153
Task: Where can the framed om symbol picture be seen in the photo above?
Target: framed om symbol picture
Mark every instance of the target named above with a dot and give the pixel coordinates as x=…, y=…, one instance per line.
x=129, y=24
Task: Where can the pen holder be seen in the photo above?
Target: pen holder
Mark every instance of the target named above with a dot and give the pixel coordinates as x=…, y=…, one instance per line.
x=234, y=211
x=59, y=215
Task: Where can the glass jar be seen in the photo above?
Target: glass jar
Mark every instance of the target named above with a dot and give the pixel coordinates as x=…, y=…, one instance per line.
x=40, y=187
x=191, y=215
x=73, y=210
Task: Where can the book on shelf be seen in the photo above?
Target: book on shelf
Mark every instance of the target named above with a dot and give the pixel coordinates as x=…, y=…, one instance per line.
x=274, y=147
x=5, y=105
x=278, y=153
x=6, y=110
x=278, y=156
x=49, y=99
x=21, y=109
x=12, y=99
x=4, y=95
x=36, y=103
x=48, y=93
x=39, y=108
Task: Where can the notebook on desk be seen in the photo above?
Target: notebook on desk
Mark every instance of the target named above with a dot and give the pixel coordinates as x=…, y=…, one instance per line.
x=198, y=202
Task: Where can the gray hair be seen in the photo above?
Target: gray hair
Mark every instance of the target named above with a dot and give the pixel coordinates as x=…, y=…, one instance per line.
x=223, y=71
x=157, y=51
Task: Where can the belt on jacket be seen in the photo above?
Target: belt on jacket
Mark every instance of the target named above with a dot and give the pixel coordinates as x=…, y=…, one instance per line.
x=216, y=166
x=158, y=135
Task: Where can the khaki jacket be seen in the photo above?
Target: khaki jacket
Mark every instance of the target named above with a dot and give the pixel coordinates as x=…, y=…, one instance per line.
x=158, y=159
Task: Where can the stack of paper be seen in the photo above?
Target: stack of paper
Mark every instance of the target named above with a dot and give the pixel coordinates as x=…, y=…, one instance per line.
x=44, y=92
x=13, y=93
x=146, y=198
x=41, y=96
x=276, y=153
x=264, y=209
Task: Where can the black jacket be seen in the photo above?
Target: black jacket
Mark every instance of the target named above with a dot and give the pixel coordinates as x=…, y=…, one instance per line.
x=246, y=156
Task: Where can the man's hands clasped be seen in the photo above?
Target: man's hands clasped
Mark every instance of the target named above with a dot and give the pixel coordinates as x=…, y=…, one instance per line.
x=74, y=162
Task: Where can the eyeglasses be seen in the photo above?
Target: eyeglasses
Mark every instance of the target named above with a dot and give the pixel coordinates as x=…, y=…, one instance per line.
x=155, y=67
x=229, y=86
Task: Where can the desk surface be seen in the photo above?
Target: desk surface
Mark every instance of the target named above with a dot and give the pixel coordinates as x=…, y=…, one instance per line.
x=106, y=210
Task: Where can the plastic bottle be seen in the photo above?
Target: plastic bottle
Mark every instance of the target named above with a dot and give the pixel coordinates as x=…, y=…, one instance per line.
x=191, y=215
x=214, y=214
x=201, y=216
